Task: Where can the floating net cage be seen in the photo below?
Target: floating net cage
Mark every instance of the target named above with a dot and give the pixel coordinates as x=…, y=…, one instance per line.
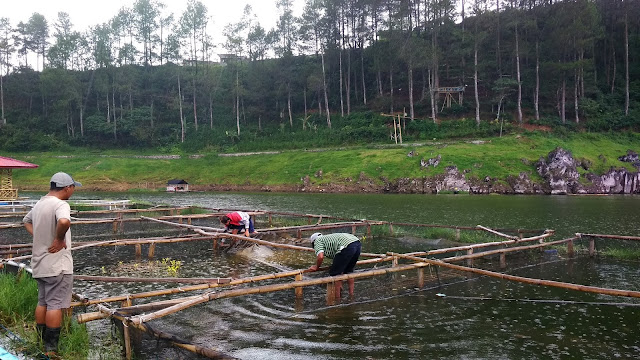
x=162, y=244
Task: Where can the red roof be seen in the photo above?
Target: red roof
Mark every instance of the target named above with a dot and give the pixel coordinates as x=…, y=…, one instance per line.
x=9, y=163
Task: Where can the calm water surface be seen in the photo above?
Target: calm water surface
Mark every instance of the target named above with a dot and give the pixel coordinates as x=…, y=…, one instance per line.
x=463, y=318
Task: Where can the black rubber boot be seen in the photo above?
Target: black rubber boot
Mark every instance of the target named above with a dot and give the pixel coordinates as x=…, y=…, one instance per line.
x=40, y=329
x=51, y=337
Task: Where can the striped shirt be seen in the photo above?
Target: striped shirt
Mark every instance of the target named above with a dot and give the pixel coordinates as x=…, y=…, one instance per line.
x=333, y=243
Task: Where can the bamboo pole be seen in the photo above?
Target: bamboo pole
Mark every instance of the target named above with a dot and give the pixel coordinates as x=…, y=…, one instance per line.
x=272, y=244
x=497, y=233
x=551, y=283
x=15, y=246
x=152, y=280
x=620, y=237
x=312, y=227
x=209, y=353
x=479, y=246
x=331, y=293
x=299, y=289
x=464, y=227
x=138, y=319
x=506, y=250
x=203, y=286
x=570, y=250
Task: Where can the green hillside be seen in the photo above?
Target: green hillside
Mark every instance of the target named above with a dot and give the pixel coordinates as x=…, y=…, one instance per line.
x=285, y=170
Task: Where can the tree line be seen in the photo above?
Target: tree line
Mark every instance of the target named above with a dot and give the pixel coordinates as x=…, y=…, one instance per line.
x=149, y=78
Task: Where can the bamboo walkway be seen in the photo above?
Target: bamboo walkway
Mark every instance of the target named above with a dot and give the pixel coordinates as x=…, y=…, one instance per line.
x=137, y=316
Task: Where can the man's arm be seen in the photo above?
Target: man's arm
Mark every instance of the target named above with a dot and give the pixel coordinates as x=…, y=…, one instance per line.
x=61, y=229
x=319, y=260
x=29, y=227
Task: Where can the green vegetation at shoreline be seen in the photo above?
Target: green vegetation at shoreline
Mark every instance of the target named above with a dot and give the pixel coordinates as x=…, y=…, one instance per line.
x=18, y=300
x=496, y=157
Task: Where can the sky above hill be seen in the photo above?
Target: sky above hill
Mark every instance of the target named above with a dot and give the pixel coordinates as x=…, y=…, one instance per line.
x=85, y=13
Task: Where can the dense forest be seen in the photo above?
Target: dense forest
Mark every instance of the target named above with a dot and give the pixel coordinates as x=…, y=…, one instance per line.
x=149, y=79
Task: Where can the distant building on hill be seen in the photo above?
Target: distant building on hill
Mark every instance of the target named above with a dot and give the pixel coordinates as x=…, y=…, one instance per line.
x=177, y=185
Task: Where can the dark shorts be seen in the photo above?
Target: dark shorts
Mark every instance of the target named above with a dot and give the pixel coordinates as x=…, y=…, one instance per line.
x=345, y=261
x=54, y=292
x=242, y=227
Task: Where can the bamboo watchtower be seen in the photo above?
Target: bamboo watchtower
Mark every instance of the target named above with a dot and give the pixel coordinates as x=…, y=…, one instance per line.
x=449, y=92
x=7, y=192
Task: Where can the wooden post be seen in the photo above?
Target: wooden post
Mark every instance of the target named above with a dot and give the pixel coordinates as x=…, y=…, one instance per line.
x=570, y=250
x=457, y=234
x=395, y=130
x=189, y=220
x=308, y=220
x=353, y=229
x=420, y=278
x=180, y=220
x=592, y=246
x=368, y=229
x=394, y=262
x=503, y=260
x=127, y=340
x=390, y=229
x=299, y=289
x=138, y=250
x=299, y=234
x=126, y=335
x=470, y=261
x=270, y=220
x=399, y=129
x=215, y=244
x=115, y=226
x=152, y=250
x=331, y=293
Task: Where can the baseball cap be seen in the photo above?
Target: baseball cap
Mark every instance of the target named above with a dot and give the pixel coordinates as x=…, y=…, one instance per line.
x=315, y=236
x=62, y=179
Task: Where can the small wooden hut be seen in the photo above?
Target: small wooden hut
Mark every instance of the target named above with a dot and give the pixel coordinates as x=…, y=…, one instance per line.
x=177, y=185
x=7, y=192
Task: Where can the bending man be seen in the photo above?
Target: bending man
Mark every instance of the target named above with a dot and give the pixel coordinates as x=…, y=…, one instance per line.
x=238, y=221
x=343, y=248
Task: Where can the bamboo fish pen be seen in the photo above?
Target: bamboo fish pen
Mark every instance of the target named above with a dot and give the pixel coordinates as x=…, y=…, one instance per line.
x=185, y=295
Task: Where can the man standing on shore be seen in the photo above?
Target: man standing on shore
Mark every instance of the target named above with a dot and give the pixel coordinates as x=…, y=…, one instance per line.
x=49, y=222
x=344, y=249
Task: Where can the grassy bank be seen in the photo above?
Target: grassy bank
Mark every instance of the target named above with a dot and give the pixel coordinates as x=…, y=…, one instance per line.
x=18, y=300
x=494, y=157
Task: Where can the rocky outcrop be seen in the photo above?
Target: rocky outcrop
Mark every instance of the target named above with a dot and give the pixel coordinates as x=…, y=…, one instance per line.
x=631, y=157
x=559, y=170
x=615, y=181
x=522, y=184
x=430, y=162
x=561, y=175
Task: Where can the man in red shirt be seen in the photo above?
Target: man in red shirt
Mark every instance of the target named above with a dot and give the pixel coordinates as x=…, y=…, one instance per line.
x=238, y=221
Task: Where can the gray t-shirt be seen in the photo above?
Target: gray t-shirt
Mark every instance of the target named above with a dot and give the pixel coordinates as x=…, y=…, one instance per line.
x=44, y=216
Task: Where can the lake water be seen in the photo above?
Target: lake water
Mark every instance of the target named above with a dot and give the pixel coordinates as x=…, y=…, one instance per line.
x=461, y=317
